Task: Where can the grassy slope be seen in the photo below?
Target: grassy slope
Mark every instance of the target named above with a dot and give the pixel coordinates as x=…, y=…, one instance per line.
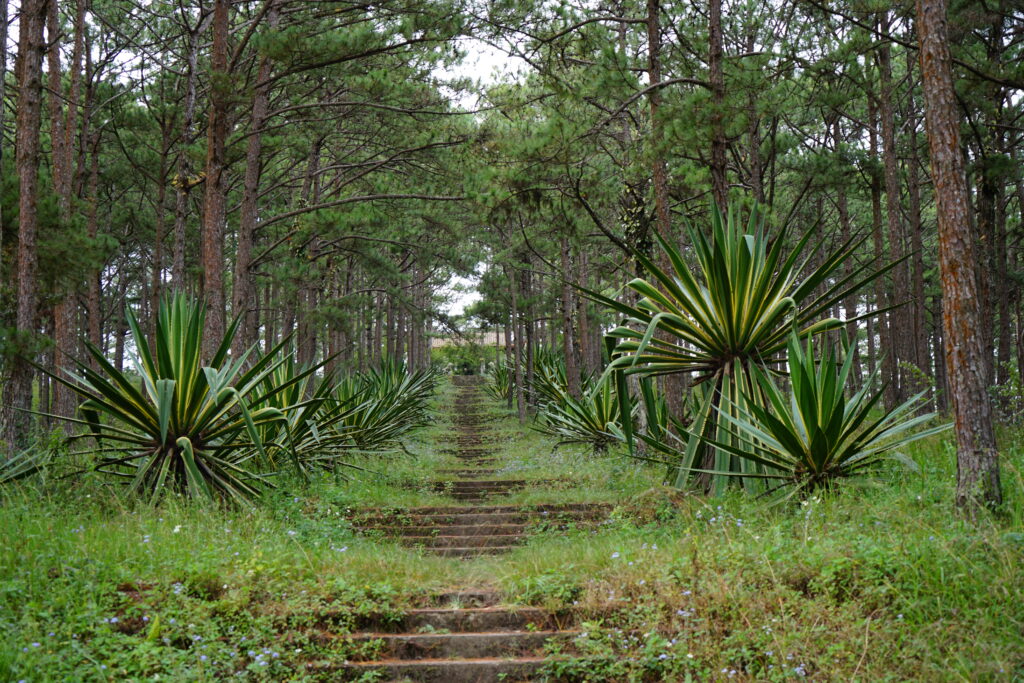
x=880, y=581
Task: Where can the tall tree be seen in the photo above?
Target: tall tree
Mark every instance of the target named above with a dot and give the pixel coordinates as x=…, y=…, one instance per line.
x=215, y=204
x=17, y=395
x=978, y=481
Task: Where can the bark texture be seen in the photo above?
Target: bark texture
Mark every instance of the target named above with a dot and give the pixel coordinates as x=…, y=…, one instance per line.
x=977, y=459
x=17, y=395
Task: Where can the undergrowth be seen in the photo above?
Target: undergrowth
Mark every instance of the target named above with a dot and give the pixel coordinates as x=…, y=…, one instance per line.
x=879, y=580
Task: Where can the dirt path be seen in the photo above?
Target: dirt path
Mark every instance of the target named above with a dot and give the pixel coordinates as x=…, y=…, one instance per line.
x=479, y=640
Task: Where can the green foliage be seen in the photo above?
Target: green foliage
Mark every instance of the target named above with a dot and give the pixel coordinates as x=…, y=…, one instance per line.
x=310, y=432
x=725, y=318
x=24, y=463
x=385, y=404
x=501, y=381
x=181, y=426
x=463, y=358
x=593, y=419
x=816, y=436
x=550, y=382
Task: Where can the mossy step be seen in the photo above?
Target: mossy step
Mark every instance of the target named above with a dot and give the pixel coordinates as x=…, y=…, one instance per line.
x=473, y=619
x=449, y=530
x=469, y=551
x=480, y=509
x=483, y=670
x=462, y=646
x=477, y=518
x=477, y=541
x=480, y=484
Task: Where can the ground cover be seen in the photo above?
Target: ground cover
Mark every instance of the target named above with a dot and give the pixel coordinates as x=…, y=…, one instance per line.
x=877, y=581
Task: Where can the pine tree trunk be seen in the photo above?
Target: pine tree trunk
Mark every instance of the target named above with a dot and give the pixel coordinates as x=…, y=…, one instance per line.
x=889, y=368
x=920, y=336
x=898, y=331
x=243, y=296
x=61, y=147
x=719, y=186
x=850, y=304
x=978, y=481
x=517, y=355
x=214, y=205
x=17, y=392
x=572, y=372
x=94, y=297
x=184, y=180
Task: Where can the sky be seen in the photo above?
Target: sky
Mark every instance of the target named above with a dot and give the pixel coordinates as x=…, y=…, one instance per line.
x=484, y=64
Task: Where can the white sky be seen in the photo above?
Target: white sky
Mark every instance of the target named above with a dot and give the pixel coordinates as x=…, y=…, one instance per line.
x=485, y=65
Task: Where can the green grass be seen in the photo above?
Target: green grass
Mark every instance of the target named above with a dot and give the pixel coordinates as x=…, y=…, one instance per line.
x=877, y=581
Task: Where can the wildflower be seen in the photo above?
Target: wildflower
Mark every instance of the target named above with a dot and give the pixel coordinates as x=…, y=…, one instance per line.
x=615, y=555
x=177, y=528
x=202, y=658
x=292, y=533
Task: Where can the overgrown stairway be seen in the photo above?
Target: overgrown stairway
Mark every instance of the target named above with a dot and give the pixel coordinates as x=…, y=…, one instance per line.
x=477, y=639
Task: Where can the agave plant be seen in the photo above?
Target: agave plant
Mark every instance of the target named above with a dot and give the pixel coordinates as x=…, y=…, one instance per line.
x=500, y=381
x=550, y=379
x=724, y=319
x=179, y=426
x=309, y=433
x=387, y=403
x=816, y=436
x=24, y=463
x=594, y=419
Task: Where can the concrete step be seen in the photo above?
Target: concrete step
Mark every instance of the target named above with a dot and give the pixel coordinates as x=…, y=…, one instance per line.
x=481, y=496
x=478, y=509
x=468, y=530
x=446, y=541
x=474, y=619
x=484, y=670
x=467, y=474
x=463, y=598
x=470, y=551
x=480, y=484
x=462, y=645
x=472, y=519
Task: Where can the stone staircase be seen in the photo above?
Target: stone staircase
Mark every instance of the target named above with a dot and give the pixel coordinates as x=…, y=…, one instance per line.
x=476, y=639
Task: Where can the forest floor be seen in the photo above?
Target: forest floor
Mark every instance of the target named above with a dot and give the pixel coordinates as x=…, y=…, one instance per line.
x=577, y=567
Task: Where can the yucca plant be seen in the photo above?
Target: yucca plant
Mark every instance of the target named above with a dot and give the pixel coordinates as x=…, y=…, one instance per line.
x=177, y=425
x=550, y=380
x=815, y=436
x=594, y=419
x=723, y=319
x=500, y=382
x=23, y=464
x=388, y=402
x=308, y=435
